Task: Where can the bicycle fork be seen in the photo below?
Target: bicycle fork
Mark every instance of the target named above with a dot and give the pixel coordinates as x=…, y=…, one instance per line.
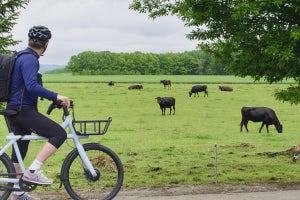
x=85, y=160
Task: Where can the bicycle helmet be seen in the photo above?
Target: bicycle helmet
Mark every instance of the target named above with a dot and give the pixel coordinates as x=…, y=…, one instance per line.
x=40, y=33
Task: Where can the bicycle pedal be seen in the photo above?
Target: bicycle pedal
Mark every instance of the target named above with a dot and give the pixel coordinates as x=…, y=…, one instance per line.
x=27, y=186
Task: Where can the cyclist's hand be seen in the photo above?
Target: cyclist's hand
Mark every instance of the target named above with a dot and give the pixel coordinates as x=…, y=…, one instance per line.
x=65, y=100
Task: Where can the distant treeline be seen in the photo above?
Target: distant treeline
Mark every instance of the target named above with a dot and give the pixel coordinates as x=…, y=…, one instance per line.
x=108, y=63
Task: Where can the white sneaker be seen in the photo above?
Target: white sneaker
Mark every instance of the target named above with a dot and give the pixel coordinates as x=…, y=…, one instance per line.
x=24, y=196
x=37, y=177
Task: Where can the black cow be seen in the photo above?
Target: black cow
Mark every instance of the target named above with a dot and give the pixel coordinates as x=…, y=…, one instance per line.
x=198, y=88
x=167, y=83
x=225, y=88
x=111, y=83
x=135, y=87
x=260, y=114
x=166, y=102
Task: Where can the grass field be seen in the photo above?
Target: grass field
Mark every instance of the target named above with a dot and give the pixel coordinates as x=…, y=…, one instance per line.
x=180, y=149
x=216, y=79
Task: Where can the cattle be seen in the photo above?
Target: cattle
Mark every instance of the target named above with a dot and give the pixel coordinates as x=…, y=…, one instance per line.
x=111, y=83
x=260, y=114
x=225, y=88
x=198, y=88
x=166, y=102
x=167, y=83
x=135, y=87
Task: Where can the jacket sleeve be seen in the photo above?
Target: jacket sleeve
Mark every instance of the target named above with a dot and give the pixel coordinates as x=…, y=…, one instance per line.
x=29, y=72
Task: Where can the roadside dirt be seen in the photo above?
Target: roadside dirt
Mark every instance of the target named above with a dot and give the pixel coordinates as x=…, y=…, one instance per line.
x=182, y=190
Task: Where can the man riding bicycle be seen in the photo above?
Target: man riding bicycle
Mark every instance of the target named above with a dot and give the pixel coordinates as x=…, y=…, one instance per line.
x=26, y=89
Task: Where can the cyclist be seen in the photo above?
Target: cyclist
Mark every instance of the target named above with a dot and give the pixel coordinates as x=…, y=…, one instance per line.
x=26, y=89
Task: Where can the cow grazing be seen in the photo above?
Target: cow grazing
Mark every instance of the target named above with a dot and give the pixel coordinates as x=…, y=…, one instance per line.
x=260, y=114
x=111, y=83
x=166, y=102
x=198, y=88
x=135, y=87
x=167, y=83
x=225, y=88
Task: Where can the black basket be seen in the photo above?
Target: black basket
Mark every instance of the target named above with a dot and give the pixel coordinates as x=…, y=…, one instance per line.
x=91, y=127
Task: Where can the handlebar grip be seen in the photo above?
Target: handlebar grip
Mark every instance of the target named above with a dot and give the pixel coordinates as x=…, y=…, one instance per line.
x=50, y=108
x=54, y=104
x=57, y=104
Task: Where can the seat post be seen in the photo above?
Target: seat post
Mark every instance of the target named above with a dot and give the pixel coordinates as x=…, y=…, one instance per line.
x=7, y=123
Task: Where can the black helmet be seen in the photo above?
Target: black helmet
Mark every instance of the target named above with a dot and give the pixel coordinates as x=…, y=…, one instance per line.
x=41, y=33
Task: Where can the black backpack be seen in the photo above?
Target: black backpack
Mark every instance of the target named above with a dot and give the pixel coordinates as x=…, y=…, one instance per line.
x=7, y=62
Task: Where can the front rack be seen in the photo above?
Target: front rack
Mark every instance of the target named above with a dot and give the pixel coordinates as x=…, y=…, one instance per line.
x=91, y=127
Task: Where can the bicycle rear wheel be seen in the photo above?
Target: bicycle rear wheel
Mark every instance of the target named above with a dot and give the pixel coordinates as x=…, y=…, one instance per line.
x=7, y=170
x=80, y=184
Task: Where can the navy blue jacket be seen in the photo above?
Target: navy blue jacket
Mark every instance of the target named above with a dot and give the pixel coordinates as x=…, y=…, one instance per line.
x=25, y=85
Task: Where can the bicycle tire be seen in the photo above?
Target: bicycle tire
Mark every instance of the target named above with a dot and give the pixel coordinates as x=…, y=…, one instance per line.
x=7, y=170
x=79, y=184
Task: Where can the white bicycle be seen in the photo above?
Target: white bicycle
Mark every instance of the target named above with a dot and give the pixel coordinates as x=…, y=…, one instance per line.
x=90, y=171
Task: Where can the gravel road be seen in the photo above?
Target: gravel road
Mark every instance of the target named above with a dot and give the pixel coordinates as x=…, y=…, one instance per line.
x=272, y=195
x=222, y=192
x=275, y=191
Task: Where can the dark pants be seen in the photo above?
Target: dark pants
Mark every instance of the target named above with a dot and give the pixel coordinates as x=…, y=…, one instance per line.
x=28, y=121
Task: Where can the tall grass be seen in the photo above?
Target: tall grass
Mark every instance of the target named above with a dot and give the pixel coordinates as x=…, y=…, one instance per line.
x=180, y=149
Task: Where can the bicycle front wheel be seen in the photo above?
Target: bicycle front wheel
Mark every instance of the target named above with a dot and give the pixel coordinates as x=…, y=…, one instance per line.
x=7, y=170
x=80, y=184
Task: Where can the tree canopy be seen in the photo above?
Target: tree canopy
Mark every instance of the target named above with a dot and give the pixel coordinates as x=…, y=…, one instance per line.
x=257, y=38
x=138, y=63
x=9, y=12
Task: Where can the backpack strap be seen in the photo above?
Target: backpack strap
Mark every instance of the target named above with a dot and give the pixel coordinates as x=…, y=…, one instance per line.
x=18, y=53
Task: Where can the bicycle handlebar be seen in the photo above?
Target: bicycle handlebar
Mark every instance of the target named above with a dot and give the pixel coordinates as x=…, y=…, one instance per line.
x=57, y=104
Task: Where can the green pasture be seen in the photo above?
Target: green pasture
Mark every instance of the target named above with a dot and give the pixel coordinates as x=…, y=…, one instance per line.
x=180, y=149
x=215, y=79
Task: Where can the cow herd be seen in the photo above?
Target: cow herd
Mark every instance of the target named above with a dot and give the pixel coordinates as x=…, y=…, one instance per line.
x=255, y=114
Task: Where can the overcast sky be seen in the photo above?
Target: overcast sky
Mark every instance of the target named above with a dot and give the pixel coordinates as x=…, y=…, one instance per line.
x=99, y=25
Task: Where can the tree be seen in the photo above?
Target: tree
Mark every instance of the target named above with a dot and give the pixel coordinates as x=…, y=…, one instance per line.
x=105, y=63
x=9, y=12
x=256, y=38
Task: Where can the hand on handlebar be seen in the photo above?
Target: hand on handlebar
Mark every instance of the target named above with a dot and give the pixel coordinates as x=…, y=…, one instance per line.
x=58, y=104
x=65, y=101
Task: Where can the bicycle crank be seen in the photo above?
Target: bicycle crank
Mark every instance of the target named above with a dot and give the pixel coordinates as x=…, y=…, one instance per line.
x=27, y=186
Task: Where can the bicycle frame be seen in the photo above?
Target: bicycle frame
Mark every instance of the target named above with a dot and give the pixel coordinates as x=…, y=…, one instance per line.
x=72, y=135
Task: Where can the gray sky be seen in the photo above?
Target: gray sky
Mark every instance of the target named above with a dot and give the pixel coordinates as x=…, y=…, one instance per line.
x=99, y=25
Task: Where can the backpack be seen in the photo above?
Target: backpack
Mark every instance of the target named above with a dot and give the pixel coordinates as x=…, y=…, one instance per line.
x=7, y=62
